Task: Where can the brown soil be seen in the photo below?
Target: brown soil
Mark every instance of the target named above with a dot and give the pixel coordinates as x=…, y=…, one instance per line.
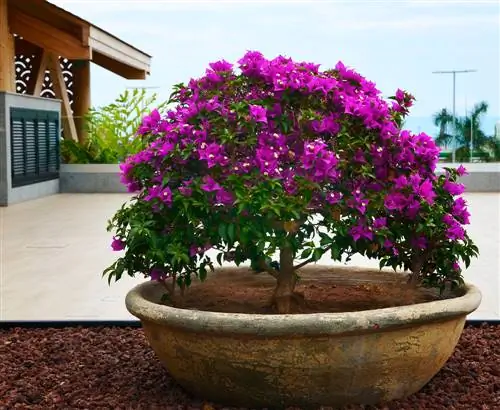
x=114, y=368
x=325, y=289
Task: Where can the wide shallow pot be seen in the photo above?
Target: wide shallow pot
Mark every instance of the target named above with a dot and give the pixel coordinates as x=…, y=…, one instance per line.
x=303, y=359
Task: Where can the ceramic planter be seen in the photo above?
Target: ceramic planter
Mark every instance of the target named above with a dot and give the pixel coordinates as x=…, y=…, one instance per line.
x=303, y=359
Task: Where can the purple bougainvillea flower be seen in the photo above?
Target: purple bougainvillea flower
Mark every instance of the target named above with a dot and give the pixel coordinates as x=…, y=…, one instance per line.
x=426, y=191
x=358, y=202
x=454, y=230
x=379, y=223
x=150, y=123
x=361, y=231
x=461, y=171
x=158, y=192
x=412, y=209
x=166, y=148
x=267, y=160
x=186, y=191
x=224, y=197
x=400, y=95
x=153, y=192
x=258, y=113
x=210, y=185
x=400, y=182
x=334, y=197
x=448, y=219
x=221, y=66
x=165, y=195
x=395, y=201
x=213, y=153
x=388, y=244
x=212, y=76
x=359, y=157
x=420, y=242
x=198, y=250
x=157, y=274
x=117, y=244
x=460, y=212
x=453, y=188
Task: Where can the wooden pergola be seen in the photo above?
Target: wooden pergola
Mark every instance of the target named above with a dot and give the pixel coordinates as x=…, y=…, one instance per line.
x=46, y=51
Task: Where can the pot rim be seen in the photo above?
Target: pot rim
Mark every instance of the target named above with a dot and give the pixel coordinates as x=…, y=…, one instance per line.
x=265, y=325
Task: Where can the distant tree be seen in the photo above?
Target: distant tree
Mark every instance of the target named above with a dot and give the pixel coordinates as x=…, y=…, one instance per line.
x=470, y=125
x=465, y=129
x=442, y=119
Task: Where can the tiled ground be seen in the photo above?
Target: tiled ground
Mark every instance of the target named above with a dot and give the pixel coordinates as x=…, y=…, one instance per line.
x=53, y=250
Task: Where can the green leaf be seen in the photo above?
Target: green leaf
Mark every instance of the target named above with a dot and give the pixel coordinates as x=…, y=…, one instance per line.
x=336, y=254
x=203, y=273
x=231, y=232
x=325, y=240
x=466, y=259
x=110, y=277
x=219, y=258
x=222, y=230
x=317, y=254
x=306, y=254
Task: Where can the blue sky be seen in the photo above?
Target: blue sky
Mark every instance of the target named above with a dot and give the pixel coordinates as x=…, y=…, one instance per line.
x=394, y=43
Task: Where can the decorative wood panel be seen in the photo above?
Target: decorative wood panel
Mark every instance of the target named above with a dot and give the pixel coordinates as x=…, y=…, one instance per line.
x=25, y=70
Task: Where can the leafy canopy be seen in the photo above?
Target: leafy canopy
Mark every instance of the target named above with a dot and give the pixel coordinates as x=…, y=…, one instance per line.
x=279, y=154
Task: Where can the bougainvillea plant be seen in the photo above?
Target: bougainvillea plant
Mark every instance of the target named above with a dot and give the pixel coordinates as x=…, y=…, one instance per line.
x=279, y=158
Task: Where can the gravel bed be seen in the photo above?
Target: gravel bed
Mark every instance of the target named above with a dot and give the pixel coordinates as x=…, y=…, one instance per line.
x=114, y=368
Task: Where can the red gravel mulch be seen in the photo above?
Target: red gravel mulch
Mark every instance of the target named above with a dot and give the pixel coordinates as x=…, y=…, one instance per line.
x=114, y=368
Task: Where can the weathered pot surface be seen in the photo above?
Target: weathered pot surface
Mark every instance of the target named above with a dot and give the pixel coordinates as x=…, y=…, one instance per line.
x=302, y=359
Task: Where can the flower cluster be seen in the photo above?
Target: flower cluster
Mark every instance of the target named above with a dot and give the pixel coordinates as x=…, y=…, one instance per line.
x=244, y=151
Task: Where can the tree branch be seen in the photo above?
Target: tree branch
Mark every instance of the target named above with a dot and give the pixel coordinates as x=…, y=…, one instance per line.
x=169, y=286
x=302, y=264
x=417, y=263
x=266, y=268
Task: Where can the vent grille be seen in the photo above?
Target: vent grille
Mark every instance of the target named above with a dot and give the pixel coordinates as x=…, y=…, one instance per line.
x=34, y=138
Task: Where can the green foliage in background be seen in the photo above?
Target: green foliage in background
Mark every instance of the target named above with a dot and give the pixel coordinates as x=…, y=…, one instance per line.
x=111, y=130
x=486, y=148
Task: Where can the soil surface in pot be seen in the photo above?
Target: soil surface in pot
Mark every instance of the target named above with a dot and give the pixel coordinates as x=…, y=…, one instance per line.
x=325, y=289
x=114, y=368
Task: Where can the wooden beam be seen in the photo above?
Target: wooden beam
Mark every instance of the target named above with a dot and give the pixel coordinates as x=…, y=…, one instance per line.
x=54, y=16
x=130, y=73
x=36, y=69
x=112, y=47
x=35, y=84
x=81, y=96
x=47, y=37
x=61, y=92
x=26, y=48
x=7, y=52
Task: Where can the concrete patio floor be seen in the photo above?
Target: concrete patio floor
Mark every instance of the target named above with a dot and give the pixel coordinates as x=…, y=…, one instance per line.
x=53, y=250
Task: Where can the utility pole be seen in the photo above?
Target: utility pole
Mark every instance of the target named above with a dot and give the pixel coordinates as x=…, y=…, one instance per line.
x=454, y=73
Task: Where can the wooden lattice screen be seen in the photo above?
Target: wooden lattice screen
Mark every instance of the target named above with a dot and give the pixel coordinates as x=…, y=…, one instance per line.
x=24, y=70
